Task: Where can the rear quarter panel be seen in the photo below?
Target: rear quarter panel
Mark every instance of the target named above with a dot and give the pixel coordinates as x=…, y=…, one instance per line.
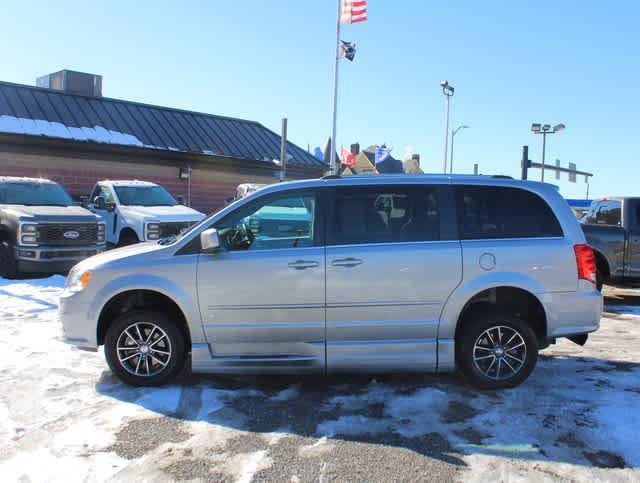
x=609, y=242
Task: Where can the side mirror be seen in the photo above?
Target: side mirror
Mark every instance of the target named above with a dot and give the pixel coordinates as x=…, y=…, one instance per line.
x=180, y=200
x=110, y=206
x=209, y=240
x=99, y=203
x=84, y=201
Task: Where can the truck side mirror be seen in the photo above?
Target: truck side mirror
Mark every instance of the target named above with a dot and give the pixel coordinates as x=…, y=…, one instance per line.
x=209, y=240
x=110, y=206
x=84, y=201
x=180, y=200
x=99, y=203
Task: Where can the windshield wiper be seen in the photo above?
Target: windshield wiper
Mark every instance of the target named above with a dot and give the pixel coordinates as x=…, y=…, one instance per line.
x=167, y=240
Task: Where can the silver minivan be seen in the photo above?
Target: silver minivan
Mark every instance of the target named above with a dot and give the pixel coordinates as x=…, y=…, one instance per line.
x=381, y=273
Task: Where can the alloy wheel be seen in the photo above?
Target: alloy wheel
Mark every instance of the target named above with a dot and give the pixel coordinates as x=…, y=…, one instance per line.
x=143, y=349
x=499, y=352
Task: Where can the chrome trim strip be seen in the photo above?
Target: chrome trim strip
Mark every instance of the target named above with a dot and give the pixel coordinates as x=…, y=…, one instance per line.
x=379, y=304
x=390, y=323
x=343, y=343
x=265, y=307
x=266, y=325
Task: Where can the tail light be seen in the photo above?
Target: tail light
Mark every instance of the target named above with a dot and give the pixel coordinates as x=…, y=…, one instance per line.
x=586, y=262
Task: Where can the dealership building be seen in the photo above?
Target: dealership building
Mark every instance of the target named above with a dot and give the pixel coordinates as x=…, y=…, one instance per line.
x=64, y=129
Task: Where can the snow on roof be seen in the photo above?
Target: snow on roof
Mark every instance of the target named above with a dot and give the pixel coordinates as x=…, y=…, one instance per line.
x=21, y=179
x=36, y=111
x=127, y=182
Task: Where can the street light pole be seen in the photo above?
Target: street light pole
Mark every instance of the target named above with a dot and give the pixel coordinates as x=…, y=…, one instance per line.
x=447, y=90
x=453, y=134
x=545, y=129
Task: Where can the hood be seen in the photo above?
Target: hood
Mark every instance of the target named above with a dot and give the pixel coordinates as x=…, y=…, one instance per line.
x=62, y=214
x=117, y=254
x=162, y=213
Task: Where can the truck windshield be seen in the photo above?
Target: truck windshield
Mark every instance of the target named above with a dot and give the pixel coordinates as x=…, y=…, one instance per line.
x=144, y=196
x=34, y=194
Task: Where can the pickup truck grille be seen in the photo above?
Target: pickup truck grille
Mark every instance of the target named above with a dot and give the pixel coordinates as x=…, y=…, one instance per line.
x=54, y=234
x=173, y=228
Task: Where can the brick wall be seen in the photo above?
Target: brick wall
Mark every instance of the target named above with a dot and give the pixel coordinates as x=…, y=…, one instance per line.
x=209, y=186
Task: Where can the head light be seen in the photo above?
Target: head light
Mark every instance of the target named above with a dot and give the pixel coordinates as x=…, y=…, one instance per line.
x=77, y=281
x=152, y=231
x=28, y=234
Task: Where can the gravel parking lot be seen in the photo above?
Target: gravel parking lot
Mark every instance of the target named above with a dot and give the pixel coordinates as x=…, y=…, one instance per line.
x=64, y=417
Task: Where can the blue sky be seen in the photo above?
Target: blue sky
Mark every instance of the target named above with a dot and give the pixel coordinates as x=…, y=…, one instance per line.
x=511, y=63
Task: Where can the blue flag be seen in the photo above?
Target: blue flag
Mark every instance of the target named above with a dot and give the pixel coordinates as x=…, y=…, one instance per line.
x=317, y=152
x=382, y=153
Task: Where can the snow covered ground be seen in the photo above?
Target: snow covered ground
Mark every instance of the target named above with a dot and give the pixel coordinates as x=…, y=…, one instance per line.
x=64, y=417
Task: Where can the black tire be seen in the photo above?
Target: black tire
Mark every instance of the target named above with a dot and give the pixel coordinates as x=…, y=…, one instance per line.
x=599, y=280
x=8, y=264
x=474, y=332
x=169, y=338
x=127, y=238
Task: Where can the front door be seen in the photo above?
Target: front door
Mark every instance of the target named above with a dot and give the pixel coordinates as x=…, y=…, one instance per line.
x=390, y=270
x=109, y=216
x=262, y=295
x=632, y=214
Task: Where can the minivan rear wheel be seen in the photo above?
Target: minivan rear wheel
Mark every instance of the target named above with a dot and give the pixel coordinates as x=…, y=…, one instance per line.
x=497, y=351
x=144, y=348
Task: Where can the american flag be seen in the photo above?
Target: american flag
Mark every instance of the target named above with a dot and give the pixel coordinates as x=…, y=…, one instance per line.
x=353, y=11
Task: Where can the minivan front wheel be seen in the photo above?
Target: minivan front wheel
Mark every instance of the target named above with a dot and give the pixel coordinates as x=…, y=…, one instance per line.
x=144, y=348
x=497, y=351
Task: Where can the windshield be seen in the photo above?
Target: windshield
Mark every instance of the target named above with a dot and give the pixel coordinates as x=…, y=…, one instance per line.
x=144, y=196
x=34, y=194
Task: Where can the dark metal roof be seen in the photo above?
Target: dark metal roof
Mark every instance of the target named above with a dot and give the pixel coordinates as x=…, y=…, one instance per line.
x=45, y=112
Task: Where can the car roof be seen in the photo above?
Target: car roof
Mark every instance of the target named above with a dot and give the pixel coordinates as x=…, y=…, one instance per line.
x=381, y=179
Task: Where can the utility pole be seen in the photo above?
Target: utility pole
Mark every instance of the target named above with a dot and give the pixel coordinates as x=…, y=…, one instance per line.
x=525, y=162
x=283, y=150
x=448, y=91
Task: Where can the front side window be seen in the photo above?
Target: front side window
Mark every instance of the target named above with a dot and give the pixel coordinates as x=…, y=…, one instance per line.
x=34, y=194
x=144, y=196
x=104, y=192
x=385, y=214
x=283, y=220
x=486, y=212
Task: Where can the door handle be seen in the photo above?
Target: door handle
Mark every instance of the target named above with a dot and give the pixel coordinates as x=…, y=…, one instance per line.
x=346, y=262
x=302, y=264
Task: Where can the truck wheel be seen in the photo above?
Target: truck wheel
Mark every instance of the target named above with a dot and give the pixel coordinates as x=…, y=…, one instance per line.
x=497, y=351
x=127, y=239
x=8, y=264
x=144, y=348
x=599, y=280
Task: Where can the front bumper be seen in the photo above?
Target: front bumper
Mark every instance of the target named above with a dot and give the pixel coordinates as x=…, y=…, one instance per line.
x=53, y=259
x=77, y=327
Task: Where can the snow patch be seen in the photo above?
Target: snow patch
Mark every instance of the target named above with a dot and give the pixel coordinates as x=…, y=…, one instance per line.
x=286, y=394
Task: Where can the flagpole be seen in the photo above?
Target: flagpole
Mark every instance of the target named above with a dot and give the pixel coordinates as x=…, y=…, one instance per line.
x=332, y=164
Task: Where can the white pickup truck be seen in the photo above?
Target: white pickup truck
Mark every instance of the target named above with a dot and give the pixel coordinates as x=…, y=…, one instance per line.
x=137, y=211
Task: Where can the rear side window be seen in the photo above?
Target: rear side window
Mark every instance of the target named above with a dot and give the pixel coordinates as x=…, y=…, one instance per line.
x=385, y=214
x=486, y=212
x=609, y=213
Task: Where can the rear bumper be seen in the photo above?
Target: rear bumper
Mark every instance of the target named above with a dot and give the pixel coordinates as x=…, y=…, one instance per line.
x=572, y=313
x=53, y=259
